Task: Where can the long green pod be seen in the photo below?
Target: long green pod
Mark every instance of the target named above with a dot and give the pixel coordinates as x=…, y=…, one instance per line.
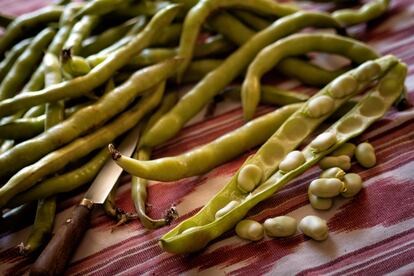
x=138, y=27
x=21, y=129
x=196, y=232
x=206, y=157
x=270, y=95
x=295, y=45
x=98, y=75
x=147, y=8
x=101, y=7
x=369, y=11
x=11, y=56
x=307, y=72
x=139, y=185
x=252, y=20
x=198, y=14
x=25, y=64
x=198, y=69
x=201, y=94
x=112, y=211
x=42, y=227
x=80, y=31
x=87, y=118
x=63, y=183
x=232, y=29
x=170, y=35
x=58, y=159
x=37, y=79
x=19, y=27
x=214, y=46
x=98, y=42
x=139, y=196
x=46, y=207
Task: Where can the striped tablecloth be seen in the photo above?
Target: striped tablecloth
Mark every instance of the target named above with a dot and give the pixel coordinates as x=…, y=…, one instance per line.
x=372, y=233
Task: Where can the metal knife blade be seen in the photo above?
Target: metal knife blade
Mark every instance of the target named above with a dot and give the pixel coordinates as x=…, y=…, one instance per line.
x=110, y=172
x=56, y=255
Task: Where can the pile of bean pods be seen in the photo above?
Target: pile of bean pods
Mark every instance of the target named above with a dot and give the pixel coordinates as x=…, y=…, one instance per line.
x=76, y=76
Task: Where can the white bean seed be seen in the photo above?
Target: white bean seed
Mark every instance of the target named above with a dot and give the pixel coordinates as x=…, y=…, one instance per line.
x=326, y=187
x=334, y=172
x=353, y=184
x=320, y=203
x=248, y=178
x=323, y=141
x=282, y=226
x=343, y=162
x=320, y=106
x=346, y=149
x=230, y=206
x=250, y=230
x=292, y=161
x=365, y=155
x=314, y=227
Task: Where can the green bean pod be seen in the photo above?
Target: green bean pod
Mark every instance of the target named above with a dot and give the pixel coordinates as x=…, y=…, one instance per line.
x=139, y=185
x=19, y=27
x=63, y=183
x=198, y=69
x=96, y=43
x=101, y=7
x=270, y=95
x=170, y=35
x=198, y=14
x=46, y=207
x=87, y=118
x=213, y=46
x=137, y=28
x=117, y=214
x=209, y=156
x=201, y=94
x=205, y=227
x=147, y=8
x=36, y=82
x=74, y=66
x=296, y=45
x=26, y=63
x=58, y=159
x=11, y=57
x=252, y=20
x=42, y=227
x=21, y=129
x=308, y=73
x=98, y=75
x=367, y=12
x=235, y=31
x=80, y=31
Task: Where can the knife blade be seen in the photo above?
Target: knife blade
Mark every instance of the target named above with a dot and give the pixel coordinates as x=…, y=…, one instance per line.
x=55, y=256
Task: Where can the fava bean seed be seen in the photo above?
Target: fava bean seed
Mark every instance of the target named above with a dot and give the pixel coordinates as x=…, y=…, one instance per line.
x=334, y=172
x=326, y=187
x=249, y=177
x=365, y=155
x=314, y=227
x=368, y=71
x=292, y=160
x=320, y=106
x=343, y=86
x=345, y=149
x=353, y=184
x=250, y=230
x=231, y=205
x=282, y=226
x=323, y=141
x=320, y=203
x=342, y=161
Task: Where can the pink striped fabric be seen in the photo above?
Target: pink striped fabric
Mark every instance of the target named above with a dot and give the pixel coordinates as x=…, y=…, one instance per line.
x=370, y=234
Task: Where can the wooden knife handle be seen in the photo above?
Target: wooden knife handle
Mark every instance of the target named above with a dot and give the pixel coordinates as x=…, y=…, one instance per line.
x=54, y=258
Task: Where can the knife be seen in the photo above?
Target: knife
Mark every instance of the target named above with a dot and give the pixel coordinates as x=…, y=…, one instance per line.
x=54, y=258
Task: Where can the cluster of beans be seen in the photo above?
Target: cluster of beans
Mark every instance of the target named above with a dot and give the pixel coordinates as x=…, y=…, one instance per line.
x=283, y=226
x=335, y=180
